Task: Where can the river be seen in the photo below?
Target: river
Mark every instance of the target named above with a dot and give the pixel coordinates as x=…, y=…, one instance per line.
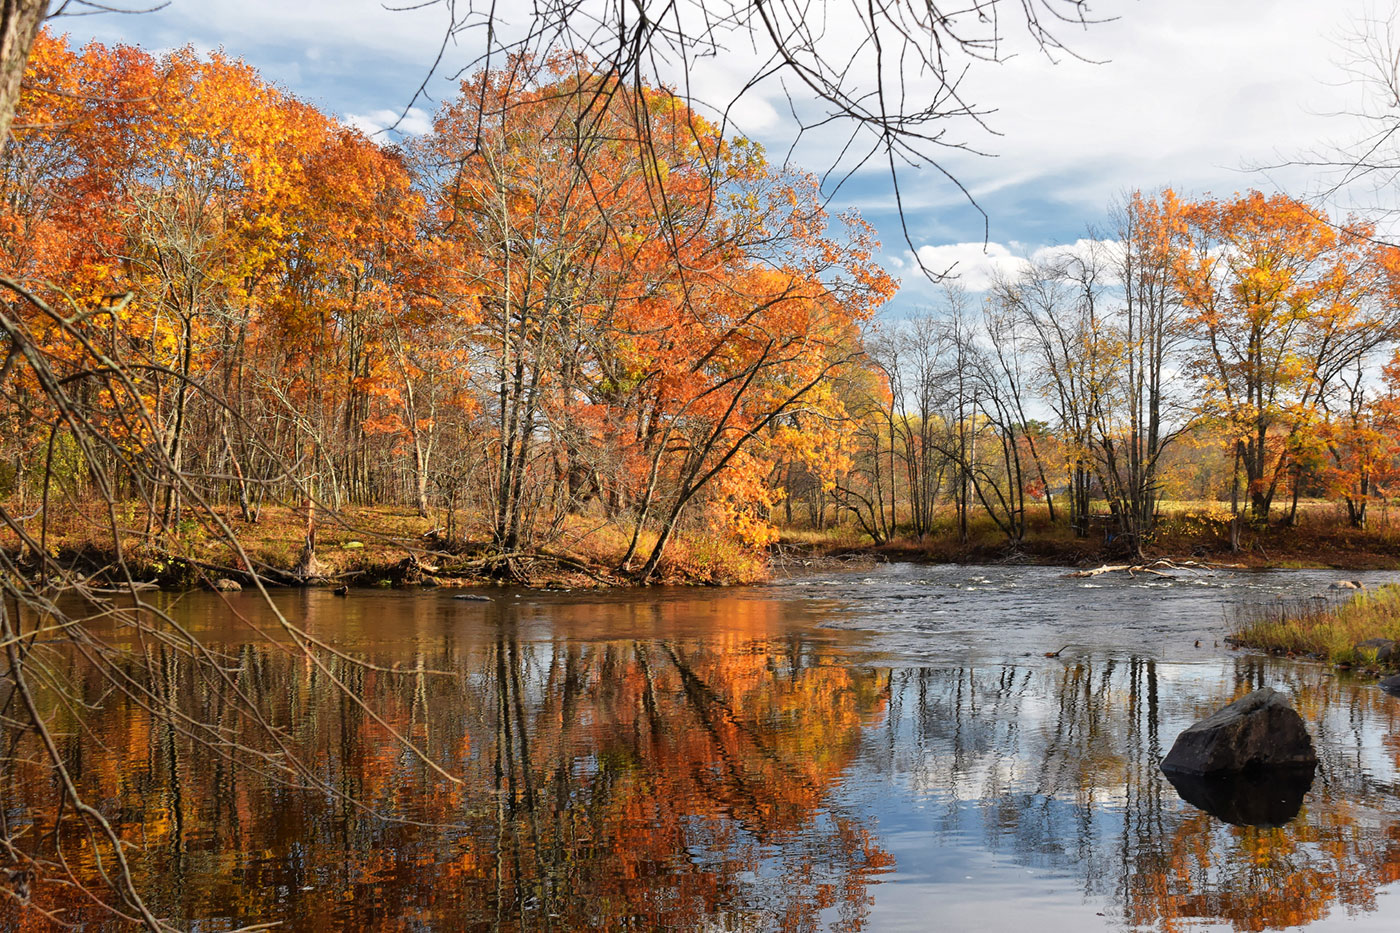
x=880, y=749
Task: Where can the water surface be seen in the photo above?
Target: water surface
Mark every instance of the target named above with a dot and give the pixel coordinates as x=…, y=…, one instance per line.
x=886, y=749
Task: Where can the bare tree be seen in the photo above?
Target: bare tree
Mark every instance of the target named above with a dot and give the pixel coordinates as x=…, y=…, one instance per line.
x=891, y=79
x=1141, y=416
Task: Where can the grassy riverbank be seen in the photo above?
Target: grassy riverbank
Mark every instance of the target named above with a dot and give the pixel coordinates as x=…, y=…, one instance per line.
x=361, y=546
x=1319, y=538
x=1330, y=631
x=395, y=546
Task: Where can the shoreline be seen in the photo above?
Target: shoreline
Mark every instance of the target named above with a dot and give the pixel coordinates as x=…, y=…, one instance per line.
x=402, y=568
x=379, y=547
x=1275, y=549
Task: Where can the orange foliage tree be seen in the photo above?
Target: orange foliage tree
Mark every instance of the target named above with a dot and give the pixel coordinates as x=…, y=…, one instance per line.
x=651, y=299
x=1281, y=302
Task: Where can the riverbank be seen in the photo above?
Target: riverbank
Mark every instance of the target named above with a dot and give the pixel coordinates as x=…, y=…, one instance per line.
x=388, y=546
x=1360, y=633
x=1319, y=539
x=356, y=546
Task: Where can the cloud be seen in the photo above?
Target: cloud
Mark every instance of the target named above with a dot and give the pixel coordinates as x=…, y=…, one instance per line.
x=377, y=122
x=750, y=112
x=1191, y=93
x=1194, y=93
x=975, y=266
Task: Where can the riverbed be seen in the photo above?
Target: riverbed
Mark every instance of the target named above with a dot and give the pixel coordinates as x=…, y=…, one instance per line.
x=884, y=749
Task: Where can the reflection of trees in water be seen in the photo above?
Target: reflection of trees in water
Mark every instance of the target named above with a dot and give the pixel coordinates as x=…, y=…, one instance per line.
x=649, y=784
x=1057, y=767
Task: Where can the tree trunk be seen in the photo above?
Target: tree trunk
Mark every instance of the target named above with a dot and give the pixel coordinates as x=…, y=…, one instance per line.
x=19, y=24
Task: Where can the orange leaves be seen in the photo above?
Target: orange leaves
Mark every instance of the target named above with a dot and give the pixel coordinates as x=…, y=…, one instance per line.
x=610, y=305
x=650, y=298
x=1280, y=301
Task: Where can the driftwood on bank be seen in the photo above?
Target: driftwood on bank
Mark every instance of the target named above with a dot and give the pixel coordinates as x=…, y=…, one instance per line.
x=1157, y=568
x=510, y=566
x=115, y=589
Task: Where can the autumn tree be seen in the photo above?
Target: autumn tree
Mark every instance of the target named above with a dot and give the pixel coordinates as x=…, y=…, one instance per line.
x=653, y=298
x=1355, y=443
x=1280, y=301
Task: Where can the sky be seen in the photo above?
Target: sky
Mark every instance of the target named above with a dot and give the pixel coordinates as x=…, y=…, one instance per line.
x=1200, y=95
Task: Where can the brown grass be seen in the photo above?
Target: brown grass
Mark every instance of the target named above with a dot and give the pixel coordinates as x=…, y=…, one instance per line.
x=362, y=544
x=1321, y=629
x=1321, y=537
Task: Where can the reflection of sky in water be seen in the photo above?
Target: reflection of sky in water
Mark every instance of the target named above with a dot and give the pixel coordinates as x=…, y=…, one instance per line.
x=949, y=879
x=1013, y=791
x=1016, y=796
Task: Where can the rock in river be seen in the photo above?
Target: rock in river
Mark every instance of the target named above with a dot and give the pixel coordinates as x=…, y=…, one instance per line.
x=1391, y=685
x=1383, y=647
x=1260, y=730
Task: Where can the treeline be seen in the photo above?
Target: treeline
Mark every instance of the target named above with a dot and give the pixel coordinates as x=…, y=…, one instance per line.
x=572, y=296
x=1250, y=339
x=575, y=305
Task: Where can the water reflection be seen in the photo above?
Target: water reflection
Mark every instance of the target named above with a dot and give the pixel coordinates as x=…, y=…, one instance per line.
x=643, y=784
x=1271, y=797
x=706, y=761
x=1055, y=768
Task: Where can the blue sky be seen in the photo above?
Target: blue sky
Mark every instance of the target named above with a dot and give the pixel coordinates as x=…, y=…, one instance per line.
x=1196, y=94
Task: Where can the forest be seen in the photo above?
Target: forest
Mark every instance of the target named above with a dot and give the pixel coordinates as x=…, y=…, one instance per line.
x=576, y=321
x=573, y=337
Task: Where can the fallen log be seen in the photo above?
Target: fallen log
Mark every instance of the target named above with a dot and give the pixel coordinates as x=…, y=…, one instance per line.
x=1106, y=568
x=1154, y=567
x=1129, y=569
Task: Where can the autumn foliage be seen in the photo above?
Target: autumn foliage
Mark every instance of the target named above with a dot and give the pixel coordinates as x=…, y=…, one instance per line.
x=572, y=297
x=575, y=310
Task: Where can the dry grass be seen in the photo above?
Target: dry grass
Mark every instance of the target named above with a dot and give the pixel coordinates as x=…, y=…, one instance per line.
x=364, y=543
x=361, y=543
x=1323, y=629
x=1321, y=537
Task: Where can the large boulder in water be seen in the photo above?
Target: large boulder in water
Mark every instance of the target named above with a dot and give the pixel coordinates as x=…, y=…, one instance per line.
x=1260, y=730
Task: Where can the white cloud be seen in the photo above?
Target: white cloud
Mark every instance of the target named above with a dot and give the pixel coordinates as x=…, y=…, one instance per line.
x=414, y=123
x=1189, y=93
x=1193, y=93
x=976, y=266
x=720, y=85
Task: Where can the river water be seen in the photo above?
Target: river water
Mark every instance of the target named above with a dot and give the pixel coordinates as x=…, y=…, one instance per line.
x=883, y=749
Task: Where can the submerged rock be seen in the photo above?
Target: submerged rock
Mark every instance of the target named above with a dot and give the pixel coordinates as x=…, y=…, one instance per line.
x=1268, y=797
x=1391, y=685
x=1348, y=585
x=473, y=597
x=1260, y=730
x=19, y=881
